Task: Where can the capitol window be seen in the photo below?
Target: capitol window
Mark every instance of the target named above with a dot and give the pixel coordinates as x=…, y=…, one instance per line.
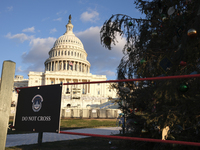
x=68, y=52
x=65, y=52
x=72, y=53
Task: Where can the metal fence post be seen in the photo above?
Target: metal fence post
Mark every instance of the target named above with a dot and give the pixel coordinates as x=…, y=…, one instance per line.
x=6, y=88
x=40, y=135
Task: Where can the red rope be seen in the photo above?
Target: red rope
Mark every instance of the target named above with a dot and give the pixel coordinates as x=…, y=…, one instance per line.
x=127, y=80
x=134, y=138
x=140, y=79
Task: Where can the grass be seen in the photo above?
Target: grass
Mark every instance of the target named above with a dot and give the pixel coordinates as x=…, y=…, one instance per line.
x=87, y=123
x=67, y=124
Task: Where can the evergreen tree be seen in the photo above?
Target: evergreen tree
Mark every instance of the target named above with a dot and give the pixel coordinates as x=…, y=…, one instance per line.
x=165, y=43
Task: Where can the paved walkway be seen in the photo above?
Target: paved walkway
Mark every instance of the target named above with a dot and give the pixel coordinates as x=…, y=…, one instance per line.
x=26, y=139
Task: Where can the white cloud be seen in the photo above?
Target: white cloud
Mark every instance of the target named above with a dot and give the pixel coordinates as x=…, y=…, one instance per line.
x=19, y=69
x=32, y=29
x=10, y=8
x=103, y=61
x=38, y=53
x=83, y=1
x=47, y=18
x=53, y=30
x=90, y=16
x=58, y=19
x=20, y=36
x=108, y=73
x=61, y=12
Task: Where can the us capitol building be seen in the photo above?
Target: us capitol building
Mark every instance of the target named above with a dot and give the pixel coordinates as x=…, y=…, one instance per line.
x=67, y=63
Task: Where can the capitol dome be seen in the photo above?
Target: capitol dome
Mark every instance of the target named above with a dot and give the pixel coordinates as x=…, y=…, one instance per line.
x=67, y=53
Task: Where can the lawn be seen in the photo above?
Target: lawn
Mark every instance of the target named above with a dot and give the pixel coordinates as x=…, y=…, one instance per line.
x=87, y=123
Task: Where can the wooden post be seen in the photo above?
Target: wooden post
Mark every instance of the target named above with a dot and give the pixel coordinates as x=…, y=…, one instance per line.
x=6, y=88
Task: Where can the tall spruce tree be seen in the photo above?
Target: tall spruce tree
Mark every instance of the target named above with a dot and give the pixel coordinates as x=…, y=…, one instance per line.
x=165, y=43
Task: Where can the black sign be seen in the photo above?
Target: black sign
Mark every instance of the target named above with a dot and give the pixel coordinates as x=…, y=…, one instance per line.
x=38, y=109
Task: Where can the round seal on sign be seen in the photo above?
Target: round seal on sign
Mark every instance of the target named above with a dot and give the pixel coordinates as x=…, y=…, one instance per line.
x=37, y=103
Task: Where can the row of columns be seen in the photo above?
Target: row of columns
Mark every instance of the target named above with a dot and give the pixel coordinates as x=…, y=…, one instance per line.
x=66, y=53
x=67, y=65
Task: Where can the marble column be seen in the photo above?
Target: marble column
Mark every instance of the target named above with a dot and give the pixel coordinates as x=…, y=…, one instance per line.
x=72, y=65
x=87, y=88
x=81, y=87
x=62, y=64
x=65, y=65
x=78, y=66
x=45, y=81
x=54, y=66
x=47, y=66
x=64, y=86
x=71, y=86
x=59, y=65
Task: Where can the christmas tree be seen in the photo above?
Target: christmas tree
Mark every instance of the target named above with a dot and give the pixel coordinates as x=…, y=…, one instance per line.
x=165, y=43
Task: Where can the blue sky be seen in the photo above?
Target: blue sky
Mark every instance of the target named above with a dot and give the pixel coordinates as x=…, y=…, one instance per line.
x=29, y=28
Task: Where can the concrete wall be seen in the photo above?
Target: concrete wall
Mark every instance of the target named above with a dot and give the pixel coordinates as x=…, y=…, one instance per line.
x=89, y=113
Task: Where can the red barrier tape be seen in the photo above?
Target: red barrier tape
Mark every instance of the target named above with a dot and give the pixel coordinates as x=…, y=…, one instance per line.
x=127, y=80
x=134, y=138
x=139, y=79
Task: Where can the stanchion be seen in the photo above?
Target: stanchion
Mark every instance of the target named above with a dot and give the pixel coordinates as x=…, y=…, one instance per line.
x=40, y=135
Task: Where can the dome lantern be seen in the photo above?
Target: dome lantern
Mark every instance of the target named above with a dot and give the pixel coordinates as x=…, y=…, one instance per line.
x=69, y=26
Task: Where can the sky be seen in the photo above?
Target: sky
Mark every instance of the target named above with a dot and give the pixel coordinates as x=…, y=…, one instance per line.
x=29, y=28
